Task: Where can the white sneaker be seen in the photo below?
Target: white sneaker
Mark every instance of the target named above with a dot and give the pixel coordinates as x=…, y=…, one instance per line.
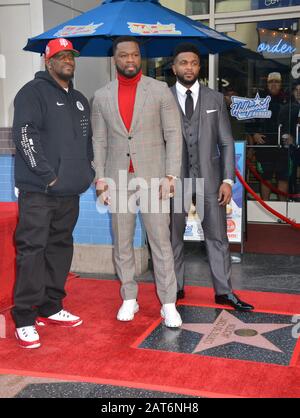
x=62, y=318
x=171, y=316
x=28, y=337
x=128, y=309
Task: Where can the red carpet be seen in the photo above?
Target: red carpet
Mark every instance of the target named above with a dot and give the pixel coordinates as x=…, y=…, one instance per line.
x=103, y=350
x=8, y=222
x=271, y=239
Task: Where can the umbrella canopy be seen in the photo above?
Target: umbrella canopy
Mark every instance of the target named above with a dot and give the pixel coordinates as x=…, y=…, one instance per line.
x=160, y=28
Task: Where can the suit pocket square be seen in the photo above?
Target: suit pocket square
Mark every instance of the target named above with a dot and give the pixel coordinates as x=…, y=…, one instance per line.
x=211, y=111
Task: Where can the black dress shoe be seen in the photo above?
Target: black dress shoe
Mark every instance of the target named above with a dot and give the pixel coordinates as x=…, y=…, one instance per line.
x=234, y=301
x=180, y=294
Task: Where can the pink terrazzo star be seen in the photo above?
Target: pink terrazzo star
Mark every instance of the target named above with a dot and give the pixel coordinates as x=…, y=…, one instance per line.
x=227, y=329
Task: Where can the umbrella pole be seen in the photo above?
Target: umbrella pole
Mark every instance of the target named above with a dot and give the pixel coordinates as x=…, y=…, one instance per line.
x=213, y=64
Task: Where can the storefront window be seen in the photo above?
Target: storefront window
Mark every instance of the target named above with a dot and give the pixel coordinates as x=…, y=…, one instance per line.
x=261, y=84
x=187, y=7
x=224, y=6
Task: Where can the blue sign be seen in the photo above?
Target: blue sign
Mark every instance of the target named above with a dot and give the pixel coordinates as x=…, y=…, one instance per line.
x=281, y=47
x=236, y=206
x=238, y=188
x=267, y=4
x=243, y=108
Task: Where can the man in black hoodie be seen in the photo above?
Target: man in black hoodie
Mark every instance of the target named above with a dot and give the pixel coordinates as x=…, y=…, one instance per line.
x=52, y=134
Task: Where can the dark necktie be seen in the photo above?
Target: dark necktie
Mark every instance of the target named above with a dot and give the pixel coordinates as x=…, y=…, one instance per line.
x=189, y=104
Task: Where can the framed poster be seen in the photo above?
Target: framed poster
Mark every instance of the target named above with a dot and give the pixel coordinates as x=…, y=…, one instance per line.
x=235, y=210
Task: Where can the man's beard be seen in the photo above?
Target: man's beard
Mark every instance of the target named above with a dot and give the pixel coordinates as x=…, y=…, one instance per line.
x=186, y=82
x=129, y=74
x=66, y=77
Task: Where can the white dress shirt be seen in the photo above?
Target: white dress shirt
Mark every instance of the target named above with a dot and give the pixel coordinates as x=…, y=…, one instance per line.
x=181, y=94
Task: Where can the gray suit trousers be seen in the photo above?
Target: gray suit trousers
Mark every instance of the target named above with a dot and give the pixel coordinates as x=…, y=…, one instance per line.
x=216, y=240
x=157, y=226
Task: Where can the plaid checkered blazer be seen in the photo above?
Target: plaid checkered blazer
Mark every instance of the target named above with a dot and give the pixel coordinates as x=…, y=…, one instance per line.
x=154, y=142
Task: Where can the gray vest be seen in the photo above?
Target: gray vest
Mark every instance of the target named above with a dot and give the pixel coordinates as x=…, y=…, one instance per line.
x=191, y=131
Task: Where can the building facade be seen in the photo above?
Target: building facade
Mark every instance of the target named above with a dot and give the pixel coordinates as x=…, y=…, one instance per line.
x=270, y=32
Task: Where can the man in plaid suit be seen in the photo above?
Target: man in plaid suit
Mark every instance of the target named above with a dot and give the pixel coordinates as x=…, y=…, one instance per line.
x=137, y=131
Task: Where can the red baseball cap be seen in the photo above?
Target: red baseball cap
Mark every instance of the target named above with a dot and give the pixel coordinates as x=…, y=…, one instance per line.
x=57, y=45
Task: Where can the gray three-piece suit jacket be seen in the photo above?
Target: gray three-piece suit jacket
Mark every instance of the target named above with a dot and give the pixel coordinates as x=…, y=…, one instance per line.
x=208, y=153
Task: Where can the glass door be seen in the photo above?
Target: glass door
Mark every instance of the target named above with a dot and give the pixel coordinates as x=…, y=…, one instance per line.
x=261, y=84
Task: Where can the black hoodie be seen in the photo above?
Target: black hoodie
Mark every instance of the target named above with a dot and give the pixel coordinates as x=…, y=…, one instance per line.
x=53, y=137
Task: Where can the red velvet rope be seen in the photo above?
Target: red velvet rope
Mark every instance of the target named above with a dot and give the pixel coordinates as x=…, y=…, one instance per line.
x=259, y=200
x=268, y=184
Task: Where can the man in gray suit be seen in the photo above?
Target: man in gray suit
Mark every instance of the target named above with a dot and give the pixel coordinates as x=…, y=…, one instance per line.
x=208, y=153
x=137, y=135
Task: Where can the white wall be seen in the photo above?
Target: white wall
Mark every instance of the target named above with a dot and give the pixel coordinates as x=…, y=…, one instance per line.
x=2, y=77
x=91, y=73
x=15, y=28
x=22, y=19
x=233, y=5
x=178, y=5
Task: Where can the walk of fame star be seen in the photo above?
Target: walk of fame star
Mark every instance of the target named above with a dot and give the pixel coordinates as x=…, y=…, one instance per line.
x=227, y=329
x=262, y=337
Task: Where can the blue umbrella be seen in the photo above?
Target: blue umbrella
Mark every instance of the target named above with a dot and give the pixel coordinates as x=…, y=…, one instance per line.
x=92, y=33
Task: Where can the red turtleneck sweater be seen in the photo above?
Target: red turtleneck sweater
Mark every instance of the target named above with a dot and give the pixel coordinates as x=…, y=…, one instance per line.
x=127, y=94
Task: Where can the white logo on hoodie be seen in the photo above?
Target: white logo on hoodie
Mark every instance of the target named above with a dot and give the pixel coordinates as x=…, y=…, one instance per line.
x=80, y=106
